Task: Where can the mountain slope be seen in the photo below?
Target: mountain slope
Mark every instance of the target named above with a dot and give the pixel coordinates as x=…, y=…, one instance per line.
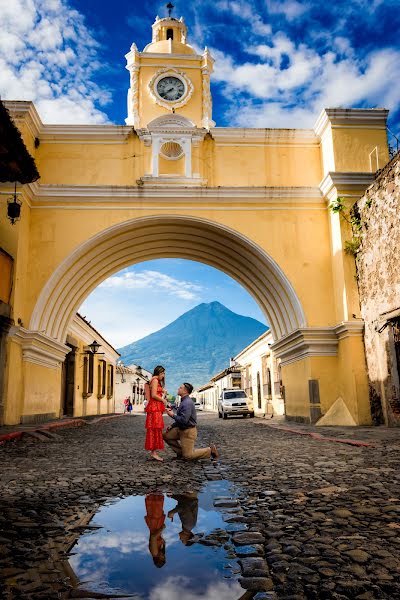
x=195, y=346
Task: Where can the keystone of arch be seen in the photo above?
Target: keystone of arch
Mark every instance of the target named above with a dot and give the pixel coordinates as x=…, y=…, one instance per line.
x=166, y=236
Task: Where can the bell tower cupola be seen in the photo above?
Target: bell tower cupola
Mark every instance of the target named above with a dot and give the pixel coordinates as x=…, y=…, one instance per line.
x=169, y=98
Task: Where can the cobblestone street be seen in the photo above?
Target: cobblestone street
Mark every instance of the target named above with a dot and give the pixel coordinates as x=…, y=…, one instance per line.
x=326, y=513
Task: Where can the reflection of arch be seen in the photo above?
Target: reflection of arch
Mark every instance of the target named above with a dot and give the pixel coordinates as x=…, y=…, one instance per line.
x=166, y=236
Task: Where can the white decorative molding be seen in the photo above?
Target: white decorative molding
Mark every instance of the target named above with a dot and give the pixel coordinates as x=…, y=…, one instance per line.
x=243, y=135
x=26, y=112
x=355, y=183
x=174, y=55
x=206, y=121
x=349, y=329
x=38, y=348
x=315, y=341
x=304, y=343
x=47, y=193
x=162, y=180
x=351, y=118
x=133, y=98
x=172, y=72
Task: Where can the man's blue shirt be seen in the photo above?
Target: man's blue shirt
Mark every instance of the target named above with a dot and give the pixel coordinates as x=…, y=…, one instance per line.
x=186, y=414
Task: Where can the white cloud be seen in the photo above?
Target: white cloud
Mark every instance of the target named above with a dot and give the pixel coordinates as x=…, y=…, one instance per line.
x=154, y=281
x=48, y=56
x=296, y=82
x=290, y=8
x=247, y=12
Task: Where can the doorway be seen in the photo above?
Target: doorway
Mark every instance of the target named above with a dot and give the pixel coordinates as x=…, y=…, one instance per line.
x=69, y=382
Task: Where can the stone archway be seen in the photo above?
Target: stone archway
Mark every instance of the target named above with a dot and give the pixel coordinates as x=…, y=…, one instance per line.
x=166, y=236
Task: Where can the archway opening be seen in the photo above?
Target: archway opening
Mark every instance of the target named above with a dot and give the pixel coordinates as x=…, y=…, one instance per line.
x=166, y=236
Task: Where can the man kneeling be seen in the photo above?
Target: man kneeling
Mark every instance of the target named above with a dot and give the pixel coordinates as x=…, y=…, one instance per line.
x=182, y=434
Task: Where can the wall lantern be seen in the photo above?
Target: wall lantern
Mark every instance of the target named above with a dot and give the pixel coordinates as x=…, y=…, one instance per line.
x=94, y=347
x=14, y=207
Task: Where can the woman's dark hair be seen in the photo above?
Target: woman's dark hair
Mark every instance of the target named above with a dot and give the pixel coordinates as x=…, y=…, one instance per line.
x=159, y=369
x=159, y=560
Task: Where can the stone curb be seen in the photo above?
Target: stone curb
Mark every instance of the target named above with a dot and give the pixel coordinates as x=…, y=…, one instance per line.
x=15, y=435
x=319, y=437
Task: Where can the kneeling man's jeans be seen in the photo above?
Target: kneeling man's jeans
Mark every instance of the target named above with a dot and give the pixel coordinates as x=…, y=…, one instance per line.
x=182, y=442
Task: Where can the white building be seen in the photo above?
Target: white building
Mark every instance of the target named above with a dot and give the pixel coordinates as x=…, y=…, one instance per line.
x=261, y=376
x=129, y=383
x=207, y=395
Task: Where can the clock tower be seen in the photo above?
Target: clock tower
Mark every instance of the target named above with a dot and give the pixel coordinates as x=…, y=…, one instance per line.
x=169, y=99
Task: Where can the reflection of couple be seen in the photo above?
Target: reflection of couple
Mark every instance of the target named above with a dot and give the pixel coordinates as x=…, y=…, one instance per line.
x=182, y=434
x=186, y=509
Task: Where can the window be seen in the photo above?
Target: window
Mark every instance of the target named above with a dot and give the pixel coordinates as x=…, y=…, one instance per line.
x=88, y=364
x=170, y=34
x=231, y=395
x=101, y=378
x=110, y=381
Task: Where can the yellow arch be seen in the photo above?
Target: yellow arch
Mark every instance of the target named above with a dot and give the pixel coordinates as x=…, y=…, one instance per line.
x=166, y=236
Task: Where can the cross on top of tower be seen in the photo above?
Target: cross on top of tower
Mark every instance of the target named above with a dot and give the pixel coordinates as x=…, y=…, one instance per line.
x=170, y=8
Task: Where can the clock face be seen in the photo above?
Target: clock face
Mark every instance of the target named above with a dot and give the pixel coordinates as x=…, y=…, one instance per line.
x=170, y=88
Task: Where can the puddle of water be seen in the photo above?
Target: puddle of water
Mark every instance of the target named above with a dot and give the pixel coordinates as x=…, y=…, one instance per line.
x=145, y=548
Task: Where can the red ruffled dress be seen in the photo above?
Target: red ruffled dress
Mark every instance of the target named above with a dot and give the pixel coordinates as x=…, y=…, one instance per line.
x=154, y=421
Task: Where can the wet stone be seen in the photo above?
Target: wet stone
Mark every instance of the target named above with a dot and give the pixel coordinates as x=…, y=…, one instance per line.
x=236, y=527
x=254, y=550
x=359, y=556
x=256, y=584
x=225, y=503
x=254, y=567
x=246, y=538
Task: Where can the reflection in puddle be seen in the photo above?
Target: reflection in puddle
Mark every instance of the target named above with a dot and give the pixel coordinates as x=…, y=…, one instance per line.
x=148, y=546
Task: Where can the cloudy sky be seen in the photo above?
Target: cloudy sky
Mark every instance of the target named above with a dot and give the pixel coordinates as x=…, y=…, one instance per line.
x=278, y=63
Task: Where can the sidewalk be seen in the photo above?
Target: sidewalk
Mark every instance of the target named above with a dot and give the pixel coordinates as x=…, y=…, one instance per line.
x=355, y=436
x=13, y=432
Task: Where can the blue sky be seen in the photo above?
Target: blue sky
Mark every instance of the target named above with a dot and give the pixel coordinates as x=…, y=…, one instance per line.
x=148, y=296
x=278, y=64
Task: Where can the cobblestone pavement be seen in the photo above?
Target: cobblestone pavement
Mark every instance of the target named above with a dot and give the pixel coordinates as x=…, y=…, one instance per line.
x=325, y=515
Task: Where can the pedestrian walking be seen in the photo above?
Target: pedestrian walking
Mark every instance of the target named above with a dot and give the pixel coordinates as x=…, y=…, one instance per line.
x=182, y=434
x=155, y=407
x=126, y=404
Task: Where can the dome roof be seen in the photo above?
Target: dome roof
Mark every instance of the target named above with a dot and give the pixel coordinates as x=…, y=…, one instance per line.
x=169, y=47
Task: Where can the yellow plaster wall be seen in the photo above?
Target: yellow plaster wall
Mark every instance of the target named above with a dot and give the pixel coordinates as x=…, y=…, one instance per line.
x=171, y=167
x=299, y=244
x=352, y=148
x=150, y=110
x=247, y=165
x=353, y=382
x=41, y=396
x=295, y=378
x=325, y=370
x=111, y=163
x=14, y=383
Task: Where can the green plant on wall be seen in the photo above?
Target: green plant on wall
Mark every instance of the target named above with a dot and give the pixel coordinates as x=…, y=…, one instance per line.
x=353, y=218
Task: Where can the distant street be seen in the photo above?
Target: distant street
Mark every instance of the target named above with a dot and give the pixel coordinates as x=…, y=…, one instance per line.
x=328, y=513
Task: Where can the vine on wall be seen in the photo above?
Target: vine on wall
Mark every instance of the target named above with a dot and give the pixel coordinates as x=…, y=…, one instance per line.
x=353, y=217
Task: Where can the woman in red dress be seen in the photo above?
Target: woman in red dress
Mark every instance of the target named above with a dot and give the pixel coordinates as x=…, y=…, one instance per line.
x=156, y=403
x=155, y=520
